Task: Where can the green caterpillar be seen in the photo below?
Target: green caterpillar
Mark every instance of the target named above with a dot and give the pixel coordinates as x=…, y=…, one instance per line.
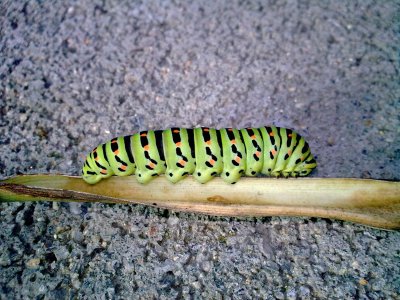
x=203, y=152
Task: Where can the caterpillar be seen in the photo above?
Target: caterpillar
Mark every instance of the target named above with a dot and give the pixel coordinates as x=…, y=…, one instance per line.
x=203, y=152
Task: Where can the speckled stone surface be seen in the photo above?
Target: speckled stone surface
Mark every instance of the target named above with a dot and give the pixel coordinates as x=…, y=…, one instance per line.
x=77, y=73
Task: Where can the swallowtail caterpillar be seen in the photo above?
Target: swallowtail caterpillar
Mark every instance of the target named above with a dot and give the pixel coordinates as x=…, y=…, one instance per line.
x=203, y=152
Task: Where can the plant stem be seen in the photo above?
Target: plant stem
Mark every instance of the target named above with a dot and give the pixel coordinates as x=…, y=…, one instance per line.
x=374, y=203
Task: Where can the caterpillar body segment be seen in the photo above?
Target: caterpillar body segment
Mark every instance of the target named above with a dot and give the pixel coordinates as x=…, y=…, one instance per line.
x=178, y=157
x=148, y=152
x=234, y=155
x=208, y=154
x=203, y=152
x=285, y=151
x=254, y=144
x=119, y=157
x=271, y=149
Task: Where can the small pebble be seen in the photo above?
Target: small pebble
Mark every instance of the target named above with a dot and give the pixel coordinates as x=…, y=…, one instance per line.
x=33, y=263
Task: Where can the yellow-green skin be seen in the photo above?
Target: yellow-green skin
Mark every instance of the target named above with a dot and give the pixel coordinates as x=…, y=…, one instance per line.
x=202, y=152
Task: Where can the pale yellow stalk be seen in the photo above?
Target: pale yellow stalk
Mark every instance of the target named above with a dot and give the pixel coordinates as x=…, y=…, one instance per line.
x=370, y=202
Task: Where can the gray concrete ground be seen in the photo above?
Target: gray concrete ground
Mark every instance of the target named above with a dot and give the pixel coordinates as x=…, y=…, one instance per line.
x=76, y=73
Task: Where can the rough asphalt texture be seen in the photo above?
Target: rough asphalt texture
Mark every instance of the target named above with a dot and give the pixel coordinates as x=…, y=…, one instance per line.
x=74, y=74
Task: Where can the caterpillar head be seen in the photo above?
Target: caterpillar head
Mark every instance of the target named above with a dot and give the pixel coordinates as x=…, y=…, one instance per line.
x=305, y=167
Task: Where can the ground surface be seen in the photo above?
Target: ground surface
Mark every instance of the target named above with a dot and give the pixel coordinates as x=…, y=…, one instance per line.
x=76, y=73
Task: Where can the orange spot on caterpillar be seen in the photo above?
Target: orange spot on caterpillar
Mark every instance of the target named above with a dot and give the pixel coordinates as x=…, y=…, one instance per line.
x=289, y=152
x=182, y=162
x=212, y=162
x=253, y=137
x=208, y=142
x=146, y=148
x=230, y=129
x=104, y=172
x=114, y=142
x=258, y=153
x=178, y=144
x=122, y=167
x=116, y=152
x=206, y=129
x=143, y=134
x=289, y=135
x=273, y=152
x=233, y=141
x=97, y=158
x=175, y=131
x=237, y=159
x=271, y=134
x=151, y=165
x=302, y=158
